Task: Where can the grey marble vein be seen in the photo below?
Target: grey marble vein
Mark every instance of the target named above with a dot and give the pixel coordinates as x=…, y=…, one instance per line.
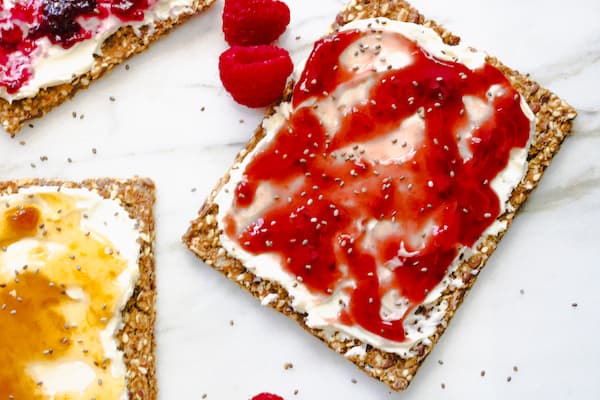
x=569, y=67
x=555, y=197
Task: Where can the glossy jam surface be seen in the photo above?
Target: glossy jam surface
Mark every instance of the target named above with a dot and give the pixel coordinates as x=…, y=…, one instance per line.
x=24, y=23
x=375, y=194
x=57, y=292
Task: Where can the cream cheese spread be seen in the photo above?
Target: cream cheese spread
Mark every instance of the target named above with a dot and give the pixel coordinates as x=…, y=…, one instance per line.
x=53, y=65
x=323, y=311
x=103, y=225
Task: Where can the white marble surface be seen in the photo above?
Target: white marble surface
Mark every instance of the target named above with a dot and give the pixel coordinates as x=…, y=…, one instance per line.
x=156, y=128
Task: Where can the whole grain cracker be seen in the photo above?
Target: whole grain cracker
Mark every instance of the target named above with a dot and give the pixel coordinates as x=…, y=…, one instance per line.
x=554, y=122
x=136, y=338
x=119, y=47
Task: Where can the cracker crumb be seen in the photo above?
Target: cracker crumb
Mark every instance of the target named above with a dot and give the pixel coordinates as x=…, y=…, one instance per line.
x=288, y=365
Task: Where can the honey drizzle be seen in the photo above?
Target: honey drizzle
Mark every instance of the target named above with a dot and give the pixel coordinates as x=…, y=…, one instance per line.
x=41, y=324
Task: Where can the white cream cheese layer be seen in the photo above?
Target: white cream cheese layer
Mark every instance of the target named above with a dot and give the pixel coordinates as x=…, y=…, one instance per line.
x=53, y=65
x=322, y=312
x=102, y=218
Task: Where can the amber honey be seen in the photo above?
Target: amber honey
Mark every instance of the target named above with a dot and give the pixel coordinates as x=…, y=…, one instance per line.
x=54, y=307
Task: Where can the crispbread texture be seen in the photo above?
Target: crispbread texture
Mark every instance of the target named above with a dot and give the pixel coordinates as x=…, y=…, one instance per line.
x=554, y=122
x=136, y=338
x=120, y=46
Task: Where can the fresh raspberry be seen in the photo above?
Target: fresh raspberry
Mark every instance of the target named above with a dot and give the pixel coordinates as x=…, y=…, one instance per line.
x=253, y=22
x=255, y=76
x=267, y=396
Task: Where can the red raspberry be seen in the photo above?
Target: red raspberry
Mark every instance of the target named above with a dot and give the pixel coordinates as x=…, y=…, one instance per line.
x=256, y=75
x=252, y=22
x=267, y=396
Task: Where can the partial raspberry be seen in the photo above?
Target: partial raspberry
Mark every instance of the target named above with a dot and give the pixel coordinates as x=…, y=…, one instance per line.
x=267, y=396
x=255, y=76
x=253, y=22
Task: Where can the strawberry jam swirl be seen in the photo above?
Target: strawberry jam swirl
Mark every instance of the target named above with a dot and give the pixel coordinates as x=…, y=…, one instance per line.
x=29, y=27
x=379, y=177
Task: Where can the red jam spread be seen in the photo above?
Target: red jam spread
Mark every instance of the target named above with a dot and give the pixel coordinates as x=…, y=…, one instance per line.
x=62, y=22
x=330, y=189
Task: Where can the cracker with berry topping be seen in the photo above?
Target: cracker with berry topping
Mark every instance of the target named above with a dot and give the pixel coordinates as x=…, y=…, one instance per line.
x=553, y=123
x=123, y=44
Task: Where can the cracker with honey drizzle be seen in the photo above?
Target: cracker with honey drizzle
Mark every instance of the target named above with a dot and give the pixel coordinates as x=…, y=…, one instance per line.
x=35, y=308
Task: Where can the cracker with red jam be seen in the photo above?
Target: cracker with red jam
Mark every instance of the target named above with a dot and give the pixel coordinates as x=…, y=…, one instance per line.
x=32, y=84
x=368, y=201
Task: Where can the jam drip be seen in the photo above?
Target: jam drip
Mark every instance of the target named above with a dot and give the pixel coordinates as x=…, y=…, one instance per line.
x=379, y=205
x=62, y=22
